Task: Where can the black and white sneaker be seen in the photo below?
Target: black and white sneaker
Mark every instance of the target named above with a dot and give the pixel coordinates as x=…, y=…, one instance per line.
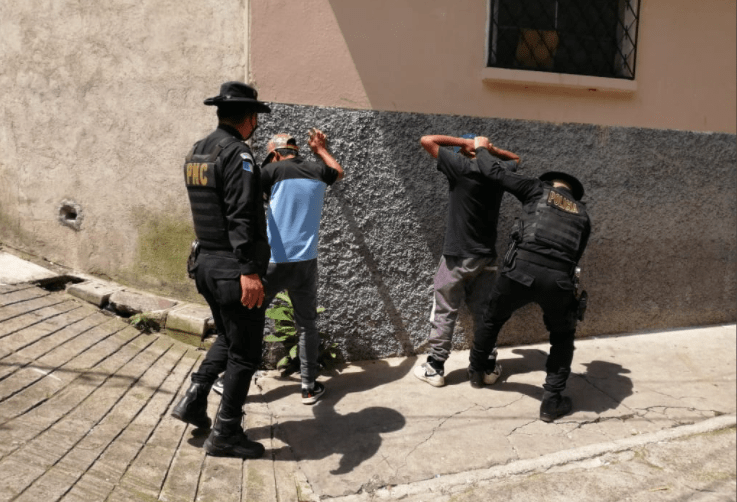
x=488, y=377
x=217, y=387
x=311, y=396
x=430, y=374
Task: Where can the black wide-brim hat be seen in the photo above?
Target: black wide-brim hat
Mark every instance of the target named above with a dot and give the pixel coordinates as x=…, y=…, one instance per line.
x=238, y=93
x=576, y=186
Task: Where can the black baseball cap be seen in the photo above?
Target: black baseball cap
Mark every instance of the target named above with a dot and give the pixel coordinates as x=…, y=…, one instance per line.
x=576, y=186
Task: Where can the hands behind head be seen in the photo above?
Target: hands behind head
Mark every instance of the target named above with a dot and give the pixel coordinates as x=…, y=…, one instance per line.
x=481, y=142
x=317, y=139
x=468, y=149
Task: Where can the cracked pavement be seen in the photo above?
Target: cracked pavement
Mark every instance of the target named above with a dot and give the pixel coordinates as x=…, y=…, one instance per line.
x=379, y=427
x=85, y=402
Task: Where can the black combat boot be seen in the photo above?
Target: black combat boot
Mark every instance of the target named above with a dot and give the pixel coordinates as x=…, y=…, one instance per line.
x=192, y=408
x=227, y=439
x=554, y=406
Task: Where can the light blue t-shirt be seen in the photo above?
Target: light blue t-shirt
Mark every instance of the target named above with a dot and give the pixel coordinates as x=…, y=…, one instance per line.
x=296, y=191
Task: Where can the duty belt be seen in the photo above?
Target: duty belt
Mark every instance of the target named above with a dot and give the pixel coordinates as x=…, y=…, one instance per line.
x=218, y=252
x=544, y=261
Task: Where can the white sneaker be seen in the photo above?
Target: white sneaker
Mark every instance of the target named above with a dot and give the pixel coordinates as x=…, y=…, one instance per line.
x=427, y=373
x=492, y=377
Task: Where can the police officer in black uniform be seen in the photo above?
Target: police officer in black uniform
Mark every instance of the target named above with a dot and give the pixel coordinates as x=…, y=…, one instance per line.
x=224, y=187
x=546, y=243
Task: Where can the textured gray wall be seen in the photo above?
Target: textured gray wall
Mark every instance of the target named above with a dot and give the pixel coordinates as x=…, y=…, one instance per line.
x=662, y=202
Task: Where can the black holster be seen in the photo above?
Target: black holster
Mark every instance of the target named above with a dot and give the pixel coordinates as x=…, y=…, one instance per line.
x=583, y=301
x=514, y=237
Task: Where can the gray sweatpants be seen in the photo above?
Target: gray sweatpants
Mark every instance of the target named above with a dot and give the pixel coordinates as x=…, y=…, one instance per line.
x=457, y=280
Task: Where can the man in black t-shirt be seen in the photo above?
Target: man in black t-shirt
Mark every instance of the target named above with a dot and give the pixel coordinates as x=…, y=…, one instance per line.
x=467, y=265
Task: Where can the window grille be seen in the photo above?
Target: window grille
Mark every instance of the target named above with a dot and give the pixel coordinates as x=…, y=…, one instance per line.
x=582, y=37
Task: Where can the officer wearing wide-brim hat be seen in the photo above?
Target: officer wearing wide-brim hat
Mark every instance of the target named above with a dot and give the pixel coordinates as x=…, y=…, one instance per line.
x=238, y=93
x=546, y=243
x=224, y=187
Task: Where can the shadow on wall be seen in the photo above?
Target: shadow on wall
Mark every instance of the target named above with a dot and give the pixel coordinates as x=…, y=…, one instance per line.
x=658, y=258
x=395, y=46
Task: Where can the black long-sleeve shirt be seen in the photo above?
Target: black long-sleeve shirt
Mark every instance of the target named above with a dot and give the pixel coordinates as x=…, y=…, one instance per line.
x=235, y=219
x=528, y=191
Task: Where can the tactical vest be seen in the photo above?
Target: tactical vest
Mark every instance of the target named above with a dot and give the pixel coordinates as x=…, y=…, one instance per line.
x=204, y=187
x=556, y=222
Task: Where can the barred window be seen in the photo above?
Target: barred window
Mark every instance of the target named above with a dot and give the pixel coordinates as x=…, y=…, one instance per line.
x=581, y=37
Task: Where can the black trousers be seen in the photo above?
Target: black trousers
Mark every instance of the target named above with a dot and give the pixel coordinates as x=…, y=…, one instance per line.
x=553, y=290
x=237, y=349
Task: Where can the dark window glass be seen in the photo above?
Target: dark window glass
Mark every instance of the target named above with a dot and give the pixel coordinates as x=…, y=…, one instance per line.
x=582, y=37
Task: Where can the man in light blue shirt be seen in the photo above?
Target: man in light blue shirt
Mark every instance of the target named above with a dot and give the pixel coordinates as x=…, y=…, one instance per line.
x=295, y=188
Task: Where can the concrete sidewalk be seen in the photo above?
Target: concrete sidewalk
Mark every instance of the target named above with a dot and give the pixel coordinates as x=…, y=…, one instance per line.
x=85, y=402
x=381, y=432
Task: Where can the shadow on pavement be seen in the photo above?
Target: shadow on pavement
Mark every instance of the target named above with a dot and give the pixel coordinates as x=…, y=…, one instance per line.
x=356, y=436
x=606, y=383
x=611, y=383
x=373, y=374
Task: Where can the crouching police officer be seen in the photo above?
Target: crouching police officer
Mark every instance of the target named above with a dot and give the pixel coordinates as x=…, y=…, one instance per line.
x=224, y=187
x=546, y=243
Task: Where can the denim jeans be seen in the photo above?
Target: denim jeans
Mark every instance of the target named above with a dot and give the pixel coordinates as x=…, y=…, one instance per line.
x=299, y=279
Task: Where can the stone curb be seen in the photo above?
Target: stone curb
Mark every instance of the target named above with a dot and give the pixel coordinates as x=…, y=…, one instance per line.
x=454, y=483
x=190, y=318
x=95, y=292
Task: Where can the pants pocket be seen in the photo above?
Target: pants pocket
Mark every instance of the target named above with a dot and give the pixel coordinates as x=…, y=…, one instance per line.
x=565, y=284
x=227, y=292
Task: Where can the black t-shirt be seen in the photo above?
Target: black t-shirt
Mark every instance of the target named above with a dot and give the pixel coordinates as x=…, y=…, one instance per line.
x=295, y=168
x=473, y=206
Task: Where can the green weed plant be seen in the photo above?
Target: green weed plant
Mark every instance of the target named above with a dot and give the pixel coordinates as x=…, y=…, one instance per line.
x=282, y=313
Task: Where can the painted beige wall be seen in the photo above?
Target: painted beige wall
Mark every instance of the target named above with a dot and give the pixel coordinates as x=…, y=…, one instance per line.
x=427, y=56
x=101, y=101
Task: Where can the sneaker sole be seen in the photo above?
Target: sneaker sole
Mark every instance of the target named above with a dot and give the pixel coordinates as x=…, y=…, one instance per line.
x=437, y=381
x=492, y=378
x=313, y=399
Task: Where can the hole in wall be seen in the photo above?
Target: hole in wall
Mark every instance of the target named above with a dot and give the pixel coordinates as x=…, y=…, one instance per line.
x=70, y=214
